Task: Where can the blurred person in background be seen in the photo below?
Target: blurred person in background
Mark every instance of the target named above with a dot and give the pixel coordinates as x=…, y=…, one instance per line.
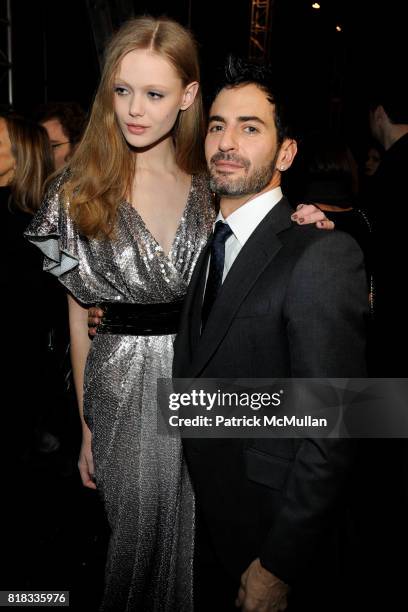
x=65, y=123
x=369, y=164
x=387, y=198
x=382, y=461
x=329, y=180
x=25, y=163
x=374, y=155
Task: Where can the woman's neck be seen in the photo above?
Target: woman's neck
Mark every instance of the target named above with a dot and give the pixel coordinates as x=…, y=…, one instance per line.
x=159, y=158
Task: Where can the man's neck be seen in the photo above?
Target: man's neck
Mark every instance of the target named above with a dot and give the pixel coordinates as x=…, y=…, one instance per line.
x=393, y=134
x=228, y=205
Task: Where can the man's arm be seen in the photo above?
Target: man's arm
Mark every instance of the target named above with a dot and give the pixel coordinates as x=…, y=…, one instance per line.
x=325, y=307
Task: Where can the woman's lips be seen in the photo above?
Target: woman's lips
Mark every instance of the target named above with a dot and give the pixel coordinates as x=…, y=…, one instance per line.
x=136, y=129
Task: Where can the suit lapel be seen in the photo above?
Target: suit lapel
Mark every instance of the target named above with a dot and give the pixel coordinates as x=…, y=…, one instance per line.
x=254, y=257
x=195, y=320
x=186, y=335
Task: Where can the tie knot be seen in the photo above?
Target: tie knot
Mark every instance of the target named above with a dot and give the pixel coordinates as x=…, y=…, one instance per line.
x=222, y=231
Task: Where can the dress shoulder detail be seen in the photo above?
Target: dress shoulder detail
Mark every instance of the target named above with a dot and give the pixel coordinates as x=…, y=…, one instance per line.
x=53, y=232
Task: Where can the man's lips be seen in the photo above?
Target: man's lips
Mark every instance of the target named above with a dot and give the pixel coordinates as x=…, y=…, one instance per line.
x=228, y=165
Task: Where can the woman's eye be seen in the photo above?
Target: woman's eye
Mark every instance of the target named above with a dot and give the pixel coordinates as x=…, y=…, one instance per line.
x=120, y=91
x=155, y=95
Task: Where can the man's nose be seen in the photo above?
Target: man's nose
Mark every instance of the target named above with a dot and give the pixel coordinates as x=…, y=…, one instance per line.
x=137, y=107
x=227, y=141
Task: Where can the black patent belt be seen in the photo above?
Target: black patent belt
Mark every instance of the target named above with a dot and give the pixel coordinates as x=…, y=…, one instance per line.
x=140, y=319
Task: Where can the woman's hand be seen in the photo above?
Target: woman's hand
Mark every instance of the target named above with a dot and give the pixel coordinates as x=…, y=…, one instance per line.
x=85, y=462
x=309, y=213
x=94, y=319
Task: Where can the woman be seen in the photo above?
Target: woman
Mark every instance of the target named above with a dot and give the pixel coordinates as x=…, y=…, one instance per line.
x=123, y=227
x=25, y=163
x=373, y=159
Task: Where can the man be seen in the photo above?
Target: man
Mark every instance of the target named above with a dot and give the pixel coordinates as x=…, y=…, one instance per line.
x=386, y=461
x=388, y=192
x=388, y=118
x=291, y=304
x=65, y=123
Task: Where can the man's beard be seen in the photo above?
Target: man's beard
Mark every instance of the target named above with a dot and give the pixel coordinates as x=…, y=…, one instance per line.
x=253, y=182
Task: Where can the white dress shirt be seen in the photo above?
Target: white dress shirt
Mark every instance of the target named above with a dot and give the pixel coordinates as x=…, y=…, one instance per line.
x=243, y=223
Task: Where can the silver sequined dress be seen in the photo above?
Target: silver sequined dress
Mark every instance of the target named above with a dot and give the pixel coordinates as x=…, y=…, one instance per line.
x=141, y=475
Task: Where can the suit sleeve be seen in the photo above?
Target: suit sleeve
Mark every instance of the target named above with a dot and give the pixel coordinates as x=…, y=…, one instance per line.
x=326, y=304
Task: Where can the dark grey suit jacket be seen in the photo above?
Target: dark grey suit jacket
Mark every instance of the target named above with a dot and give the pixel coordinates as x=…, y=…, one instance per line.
x=292, y=305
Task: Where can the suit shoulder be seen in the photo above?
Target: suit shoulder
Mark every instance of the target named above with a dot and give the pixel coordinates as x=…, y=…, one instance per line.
x=310, y=235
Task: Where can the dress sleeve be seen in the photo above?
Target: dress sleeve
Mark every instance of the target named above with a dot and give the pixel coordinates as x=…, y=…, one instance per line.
x=54, y=233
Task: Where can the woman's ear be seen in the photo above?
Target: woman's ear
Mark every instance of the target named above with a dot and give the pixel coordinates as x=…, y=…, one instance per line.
x=189, y=95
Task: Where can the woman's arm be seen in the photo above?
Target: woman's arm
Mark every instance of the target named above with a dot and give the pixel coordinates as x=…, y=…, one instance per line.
x=309, y=213
x=80, y=344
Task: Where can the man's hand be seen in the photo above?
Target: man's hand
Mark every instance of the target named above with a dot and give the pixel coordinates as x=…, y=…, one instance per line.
x=261, y=591
x=94, y=319
x=308, y=213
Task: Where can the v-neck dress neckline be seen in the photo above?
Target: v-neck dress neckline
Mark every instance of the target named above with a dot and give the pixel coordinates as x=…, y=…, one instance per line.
x=179, y=226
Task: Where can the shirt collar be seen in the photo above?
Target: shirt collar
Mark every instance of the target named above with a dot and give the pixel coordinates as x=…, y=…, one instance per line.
x=246, y=218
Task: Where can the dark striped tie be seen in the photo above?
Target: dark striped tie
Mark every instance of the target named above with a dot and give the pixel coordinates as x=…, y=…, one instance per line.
x=222, y=231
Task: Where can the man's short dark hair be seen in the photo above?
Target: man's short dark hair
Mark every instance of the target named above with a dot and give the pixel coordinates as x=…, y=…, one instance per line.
x=71, y=116
x=238, y=72
x=390, y=93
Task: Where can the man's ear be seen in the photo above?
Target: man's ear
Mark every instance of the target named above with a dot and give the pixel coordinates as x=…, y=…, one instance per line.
x=379, y=115
x=287, y=154
x=189, y=95
x=382, y=115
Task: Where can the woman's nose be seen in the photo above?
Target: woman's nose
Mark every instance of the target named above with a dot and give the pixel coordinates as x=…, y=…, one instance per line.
x=137, y=108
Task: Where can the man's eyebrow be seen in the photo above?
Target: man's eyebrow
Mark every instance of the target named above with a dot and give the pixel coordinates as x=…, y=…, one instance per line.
x=251, y=118
x=216, y=118
x=242, y=119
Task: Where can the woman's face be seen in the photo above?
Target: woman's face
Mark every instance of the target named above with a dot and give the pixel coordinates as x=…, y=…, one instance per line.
x=7, y=161
x=148, y=96
x=372, y=162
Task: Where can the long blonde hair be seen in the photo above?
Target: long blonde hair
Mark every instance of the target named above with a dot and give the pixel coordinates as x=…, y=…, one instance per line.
x=102, y=168
x=31, y=149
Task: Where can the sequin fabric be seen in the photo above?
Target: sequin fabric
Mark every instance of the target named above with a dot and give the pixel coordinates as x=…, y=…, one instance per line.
x=140, y=475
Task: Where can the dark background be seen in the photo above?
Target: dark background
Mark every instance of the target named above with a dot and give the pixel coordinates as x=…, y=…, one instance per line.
x=326, y=73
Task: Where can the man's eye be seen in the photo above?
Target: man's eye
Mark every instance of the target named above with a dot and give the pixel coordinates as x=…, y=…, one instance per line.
x=250, y=129
x=215, y=128
x=120, y=91
x=155, y=95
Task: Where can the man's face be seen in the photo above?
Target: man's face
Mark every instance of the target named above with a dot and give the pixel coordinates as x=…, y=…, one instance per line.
x=61, y=146
x=241, y=146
